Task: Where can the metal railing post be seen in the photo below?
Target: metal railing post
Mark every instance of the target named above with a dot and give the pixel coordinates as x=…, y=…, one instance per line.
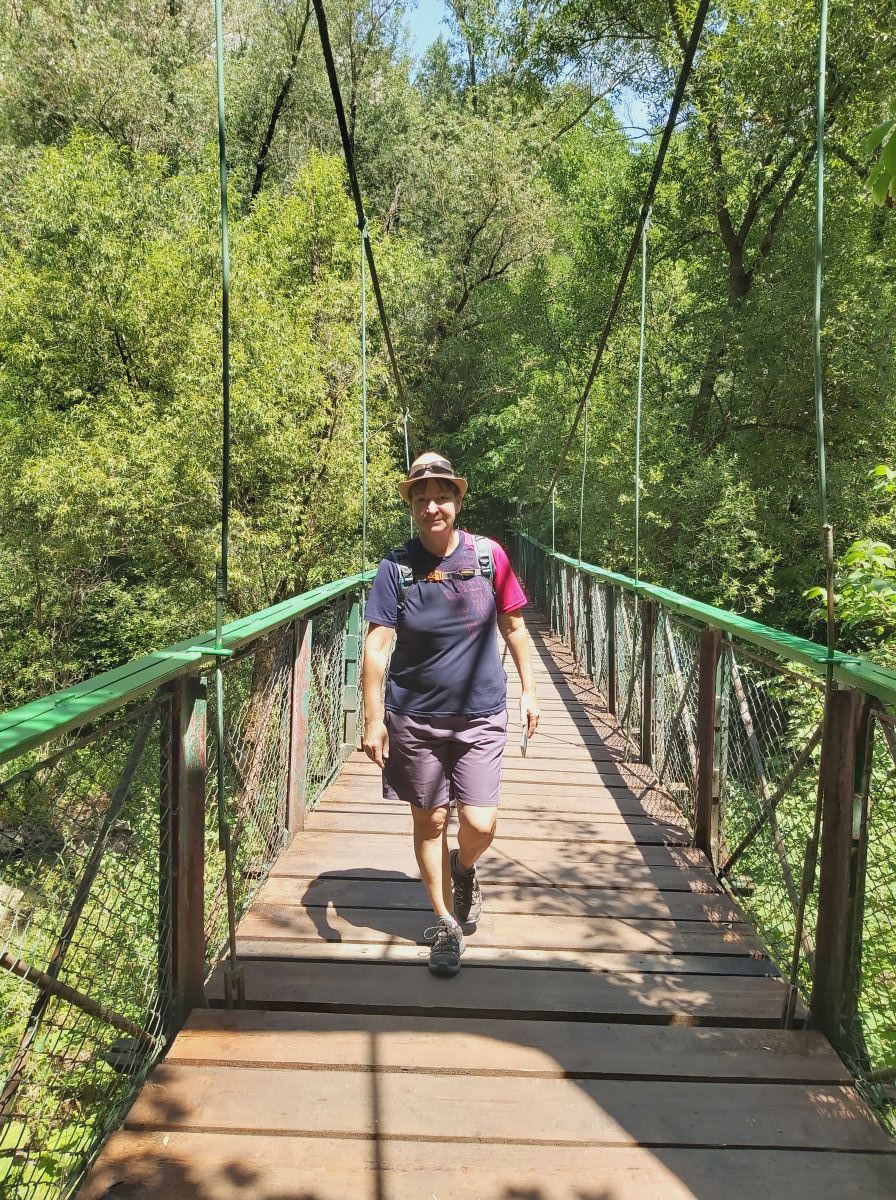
x=551, y=588
x=858, y=865
x=838, y=767
x=351, y=680
x=648, y=636
x=299, y=702
x=588, y=618
x=570, y=610
x=612, y=672
x=188, y=780
x=706, y=818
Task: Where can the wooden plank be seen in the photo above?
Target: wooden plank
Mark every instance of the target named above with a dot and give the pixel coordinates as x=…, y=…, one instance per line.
x=510, y=993
x=605, y=807
x=398, y=821
x=618, y=876
x=559, y=1048
x=523, y=850
x=597, y=1112
x=548, y=768
x=278, y=913
x=217, y=1166
x=285, y=949
x=375, y=887
x=582, y=792
x=612, y=877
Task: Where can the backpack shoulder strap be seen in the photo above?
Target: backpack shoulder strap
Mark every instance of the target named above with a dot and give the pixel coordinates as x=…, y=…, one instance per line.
x=401, y=556
x=485, y=560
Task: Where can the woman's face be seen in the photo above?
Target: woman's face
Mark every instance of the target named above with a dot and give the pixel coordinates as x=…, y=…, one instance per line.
x=434, y=505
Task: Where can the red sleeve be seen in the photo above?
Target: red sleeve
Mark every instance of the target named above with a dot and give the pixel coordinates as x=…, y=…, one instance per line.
x=509, y=596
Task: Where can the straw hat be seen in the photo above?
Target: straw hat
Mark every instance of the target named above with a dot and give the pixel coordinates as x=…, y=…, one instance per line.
x=431, y=466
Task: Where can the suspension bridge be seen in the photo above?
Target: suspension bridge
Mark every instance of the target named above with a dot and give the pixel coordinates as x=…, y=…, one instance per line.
x=653, y=1002
x=212, y=974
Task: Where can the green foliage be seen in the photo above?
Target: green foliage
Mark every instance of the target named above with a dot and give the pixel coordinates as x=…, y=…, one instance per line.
x=865, y=581
x=109, y=427
x=882, y=178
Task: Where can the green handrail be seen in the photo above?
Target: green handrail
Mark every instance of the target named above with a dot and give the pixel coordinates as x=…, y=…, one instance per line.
x=851, y=670
x=40, y=721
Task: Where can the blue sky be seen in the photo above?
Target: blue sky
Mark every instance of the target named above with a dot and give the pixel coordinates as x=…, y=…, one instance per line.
x=424, y=19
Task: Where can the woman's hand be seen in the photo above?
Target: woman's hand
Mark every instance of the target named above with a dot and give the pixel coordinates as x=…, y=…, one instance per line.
x=375, y=742
x=529, y=713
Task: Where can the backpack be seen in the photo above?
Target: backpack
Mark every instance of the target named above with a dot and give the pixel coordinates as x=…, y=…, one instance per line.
x=407, y=575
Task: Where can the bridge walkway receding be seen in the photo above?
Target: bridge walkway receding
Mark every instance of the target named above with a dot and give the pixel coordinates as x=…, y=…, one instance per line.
x=614, y=1033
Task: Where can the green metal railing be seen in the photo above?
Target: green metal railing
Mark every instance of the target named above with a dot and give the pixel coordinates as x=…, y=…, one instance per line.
x=795, y=807
x=112, y=883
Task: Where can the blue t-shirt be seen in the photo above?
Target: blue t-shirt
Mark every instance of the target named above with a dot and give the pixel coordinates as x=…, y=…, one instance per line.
x=446, y=660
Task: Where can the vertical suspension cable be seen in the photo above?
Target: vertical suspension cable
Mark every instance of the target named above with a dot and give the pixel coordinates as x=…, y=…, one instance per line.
x=827, y=532
x=580, y=597
x=644, y=229
x=553, y=519
x=582, y=487
x=222, y=573
x=407, y=456
x=363, y=400
x=233, y=977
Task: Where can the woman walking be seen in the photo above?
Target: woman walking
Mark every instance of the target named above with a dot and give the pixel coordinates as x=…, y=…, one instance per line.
x=441, y=734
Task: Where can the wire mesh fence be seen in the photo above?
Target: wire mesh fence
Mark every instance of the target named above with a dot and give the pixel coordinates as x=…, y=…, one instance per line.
x=331, y=696
x=89, y=826
x=256, y=730
x=597, y=637
x=629, y=651
x=735, y=734
x=674, y=733
x=85, y=994
x=771, y=719
x=870, y=1008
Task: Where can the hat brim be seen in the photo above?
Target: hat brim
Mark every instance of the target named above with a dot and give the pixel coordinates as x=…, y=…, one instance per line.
x=406, y=484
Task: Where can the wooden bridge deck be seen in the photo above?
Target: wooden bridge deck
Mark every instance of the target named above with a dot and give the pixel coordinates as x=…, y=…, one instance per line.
x=612, y=1034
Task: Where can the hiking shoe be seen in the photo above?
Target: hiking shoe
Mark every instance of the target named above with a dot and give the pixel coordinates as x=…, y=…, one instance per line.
x=447, y=947
x=467, y=896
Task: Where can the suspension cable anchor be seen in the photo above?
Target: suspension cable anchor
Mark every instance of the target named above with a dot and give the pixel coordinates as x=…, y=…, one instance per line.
x=215, y=651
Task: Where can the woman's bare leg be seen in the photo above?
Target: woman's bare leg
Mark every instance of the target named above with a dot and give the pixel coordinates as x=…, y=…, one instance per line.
x=431, y=850
x=476, y=832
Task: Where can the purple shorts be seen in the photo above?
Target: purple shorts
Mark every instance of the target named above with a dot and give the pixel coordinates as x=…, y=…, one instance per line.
x=434, y=760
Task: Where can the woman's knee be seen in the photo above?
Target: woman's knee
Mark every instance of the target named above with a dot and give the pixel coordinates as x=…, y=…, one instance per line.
x=478, y=818
x=429, y=822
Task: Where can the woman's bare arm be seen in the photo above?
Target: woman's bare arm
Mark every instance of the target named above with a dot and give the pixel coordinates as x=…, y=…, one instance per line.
x=513, y=630
x=376, y=655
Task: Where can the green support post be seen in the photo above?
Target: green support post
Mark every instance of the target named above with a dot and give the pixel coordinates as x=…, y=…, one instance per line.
x=351, y=681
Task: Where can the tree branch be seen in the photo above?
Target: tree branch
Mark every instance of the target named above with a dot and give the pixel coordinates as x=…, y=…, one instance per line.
x=261, y=162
